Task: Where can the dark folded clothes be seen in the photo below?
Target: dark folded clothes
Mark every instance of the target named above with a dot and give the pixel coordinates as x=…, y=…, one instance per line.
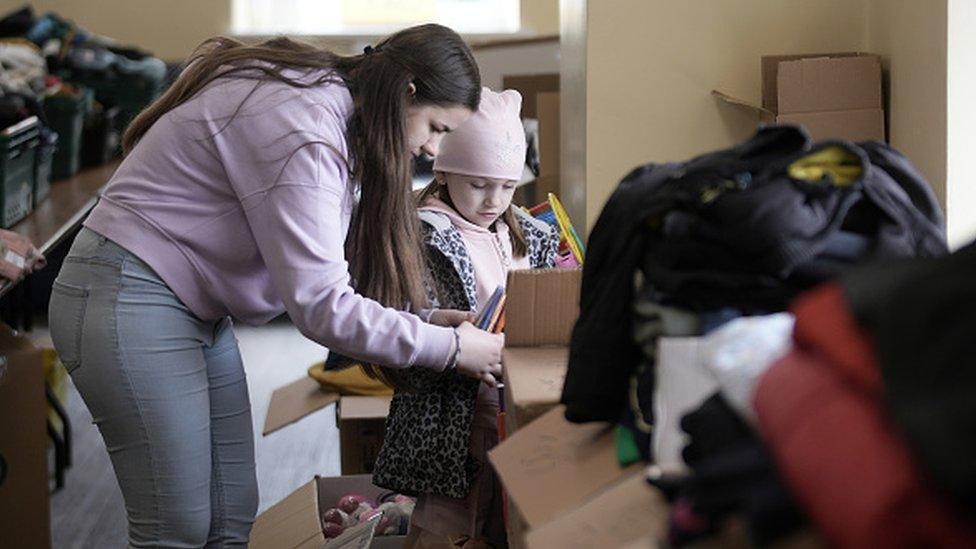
x=731, y=476
x=922, y=316
x=741, y=229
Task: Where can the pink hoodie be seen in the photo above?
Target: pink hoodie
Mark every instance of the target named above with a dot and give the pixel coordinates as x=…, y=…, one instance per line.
x=490, y=252
x=246, y=218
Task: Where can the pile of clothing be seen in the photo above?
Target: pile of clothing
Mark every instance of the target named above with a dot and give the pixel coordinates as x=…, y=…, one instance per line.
x=40, y=55
x=856, y=421
x=715, y=247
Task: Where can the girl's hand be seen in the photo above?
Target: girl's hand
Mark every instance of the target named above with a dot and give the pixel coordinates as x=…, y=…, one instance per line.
x=450, y=318
x=481, y=353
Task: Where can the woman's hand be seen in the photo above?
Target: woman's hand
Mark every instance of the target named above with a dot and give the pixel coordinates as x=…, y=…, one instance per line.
x=481, y=353
x=450, y=318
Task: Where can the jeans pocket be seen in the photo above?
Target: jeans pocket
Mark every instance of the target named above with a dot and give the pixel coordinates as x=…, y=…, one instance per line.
x=67, y=320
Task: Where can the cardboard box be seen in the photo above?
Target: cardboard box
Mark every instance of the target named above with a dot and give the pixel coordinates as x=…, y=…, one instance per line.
x=534, y=378
x=834, y=95
x=362, y=426
x=361, y=420
x=296, y=520
x=552, y=466
x=627, y=513
x=541, y=308
x=24, y=506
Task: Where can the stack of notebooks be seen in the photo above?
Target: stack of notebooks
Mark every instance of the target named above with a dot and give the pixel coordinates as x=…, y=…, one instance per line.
x=571, y=249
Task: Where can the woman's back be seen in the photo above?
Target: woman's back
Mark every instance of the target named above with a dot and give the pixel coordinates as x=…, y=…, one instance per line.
x=182, y=198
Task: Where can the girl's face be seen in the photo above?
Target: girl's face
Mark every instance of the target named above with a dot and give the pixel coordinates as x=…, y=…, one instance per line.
x=480, y=200
x=428, y=124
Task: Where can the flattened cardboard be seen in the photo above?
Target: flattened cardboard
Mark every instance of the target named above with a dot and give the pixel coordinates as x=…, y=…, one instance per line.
x=628, y=512
x=295, y=521
x=552, y=466
x=829, y=84
x=542, y=306
x=295, y=401
x=362, y=427
x=860, y=125
x=534, y=379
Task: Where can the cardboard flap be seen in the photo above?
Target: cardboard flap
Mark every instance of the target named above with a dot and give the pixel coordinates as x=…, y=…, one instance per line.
x=535, y=375
x=630, y=511
x=295, y=401
x=740, y=103
x=292, y=522
x=541, y=306
x=552, y=466
x=829, y=84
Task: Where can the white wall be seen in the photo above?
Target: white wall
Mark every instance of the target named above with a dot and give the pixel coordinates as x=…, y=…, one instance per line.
x=961, y=146
x=533, y=58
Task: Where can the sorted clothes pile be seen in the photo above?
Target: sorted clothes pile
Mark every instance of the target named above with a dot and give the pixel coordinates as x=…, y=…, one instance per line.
x=852, y=422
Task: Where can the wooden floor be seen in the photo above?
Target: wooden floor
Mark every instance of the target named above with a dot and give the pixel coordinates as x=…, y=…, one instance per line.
x=89, y=511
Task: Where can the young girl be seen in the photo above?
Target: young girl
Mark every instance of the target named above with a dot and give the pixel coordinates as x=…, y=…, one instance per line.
x=441, y=425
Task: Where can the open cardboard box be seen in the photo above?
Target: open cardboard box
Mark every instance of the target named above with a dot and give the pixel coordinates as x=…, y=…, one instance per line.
x=362, y=427
x=629, y=512
x=361, y=420
x=832, y=95
x=296, y=520
x=552, y=467
x=540, y=310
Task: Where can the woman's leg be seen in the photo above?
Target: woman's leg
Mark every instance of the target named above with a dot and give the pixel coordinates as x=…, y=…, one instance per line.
x=138, y=357
x=233, y=483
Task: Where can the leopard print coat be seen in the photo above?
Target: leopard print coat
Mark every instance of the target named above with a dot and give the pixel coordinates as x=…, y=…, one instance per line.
x=427, y=432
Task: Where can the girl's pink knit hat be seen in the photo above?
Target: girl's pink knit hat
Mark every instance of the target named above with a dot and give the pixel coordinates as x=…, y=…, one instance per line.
x=491, y=143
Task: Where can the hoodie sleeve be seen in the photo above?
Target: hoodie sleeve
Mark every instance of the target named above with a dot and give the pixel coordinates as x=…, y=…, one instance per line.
x=290, y=175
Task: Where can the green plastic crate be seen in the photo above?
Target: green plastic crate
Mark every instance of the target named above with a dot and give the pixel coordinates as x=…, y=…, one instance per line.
x=18, y=148
x=43, y=163
x=66, y=115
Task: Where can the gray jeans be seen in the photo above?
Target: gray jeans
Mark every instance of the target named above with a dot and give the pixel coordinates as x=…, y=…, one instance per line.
x=168, y=393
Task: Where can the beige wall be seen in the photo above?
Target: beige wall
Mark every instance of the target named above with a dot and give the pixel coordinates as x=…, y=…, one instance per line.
x=651, y=64
x=910, y=35
x=540, y=17
x=168, y=28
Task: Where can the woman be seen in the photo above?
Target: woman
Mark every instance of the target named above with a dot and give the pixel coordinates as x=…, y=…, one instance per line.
x=235, y=200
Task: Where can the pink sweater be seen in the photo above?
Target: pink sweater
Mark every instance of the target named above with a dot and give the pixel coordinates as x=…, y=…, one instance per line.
x=248, y=219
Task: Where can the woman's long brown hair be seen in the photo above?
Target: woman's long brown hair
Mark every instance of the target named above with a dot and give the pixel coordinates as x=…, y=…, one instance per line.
x=383, y=244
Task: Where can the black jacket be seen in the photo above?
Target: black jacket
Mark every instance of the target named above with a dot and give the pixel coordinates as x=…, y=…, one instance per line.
x=733, y=229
